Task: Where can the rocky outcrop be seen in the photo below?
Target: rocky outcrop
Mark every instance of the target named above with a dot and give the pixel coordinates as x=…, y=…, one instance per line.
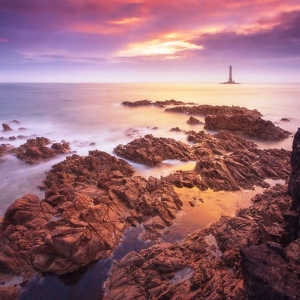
x=6, y=127
x=89, y=201
x=271, y=270
x=35, y=150
x=154, y=103
x=237, y=119
x=247, y=124
x=194, y=121
x=204, y=110
x=152, y=151
x=294, y=182
x=206, y=264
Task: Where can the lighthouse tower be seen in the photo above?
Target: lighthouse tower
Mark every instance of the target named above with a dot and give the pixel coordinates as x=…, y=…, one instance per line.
x=230, y=80
x=230, y=75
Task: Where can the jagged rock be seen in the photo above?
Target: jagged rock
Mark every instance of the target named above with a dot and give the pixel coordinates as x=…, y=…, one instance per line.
x=206, y=264
x=6, y=127
x=204, y=110
x=247, y=124
x=89, y=202
x=294, y=182
x=233, y=118
x=37, y=149
x=154, y=103
x=243, y=169
x=151, y=151
x=194, y=121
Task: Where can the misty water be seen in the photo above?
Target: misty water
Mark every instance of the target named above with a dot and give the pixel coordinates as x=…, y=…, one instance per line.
x=90, y=116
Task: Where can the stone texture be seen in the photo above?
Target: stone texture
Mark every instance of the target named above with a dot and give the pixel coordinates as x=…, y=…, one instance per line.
x=89, y=201
x=35, y=150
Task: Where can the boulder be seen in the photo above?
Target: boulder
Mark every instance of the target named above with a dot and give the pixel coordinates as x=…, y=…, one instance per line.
x=194, y=121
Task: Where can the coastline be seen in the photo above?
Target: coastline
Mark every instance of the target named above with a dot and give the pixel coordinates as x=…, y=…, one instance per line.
x=56, y=196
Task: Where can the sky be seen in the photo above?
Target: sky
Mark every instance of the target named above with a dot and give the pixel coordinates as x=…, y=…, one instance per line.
x=149, y=40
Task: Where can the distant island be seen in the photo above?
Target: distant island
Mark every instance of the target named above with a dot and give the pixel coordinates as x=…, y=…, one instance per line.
x=230, y=81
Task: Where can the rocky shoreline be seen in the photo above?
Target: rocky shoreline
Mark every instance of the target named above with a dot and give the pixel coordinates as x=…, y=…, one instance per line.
x=90, y=200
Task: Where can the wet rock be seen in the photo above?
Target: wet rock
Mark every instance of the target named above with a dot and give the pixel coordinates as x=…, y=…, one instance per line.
x=175, y=129
x=247, y=124
x=204, y=110
x=294, y=182
x=237, y=119
x=207, y=263
x=6, y=127
x=89, y=202
x=154, y=103
x=152, y=151
x=35, y=150
x=194, y=121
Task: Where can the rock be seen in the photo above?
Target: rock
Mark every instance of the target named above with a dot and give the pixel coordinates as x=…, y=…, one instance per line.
x=89, y=202
x=6, y=127
x=152, y=151
x=175, y=129
x=247, y=124
x=193, y=121
x=35, y=150
x=204, y=110
x=294, y=181
x=154, y=103
x=286, y=119
x=237, y=119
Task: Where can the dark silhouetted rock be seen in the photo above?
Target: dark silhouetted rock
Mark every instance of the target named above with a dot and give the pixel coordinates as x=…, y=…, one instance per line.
x=6, y=127
x=193, y=121
x=154, y=103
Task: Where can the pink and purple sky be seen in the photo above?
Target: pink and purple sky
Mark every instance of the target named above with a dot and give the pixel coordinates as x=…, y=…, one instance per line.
x=149, y=40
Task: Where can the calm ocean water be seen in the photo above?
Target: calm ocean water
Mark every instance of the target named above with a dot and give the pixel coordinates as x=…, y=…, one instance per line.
x=92, y=113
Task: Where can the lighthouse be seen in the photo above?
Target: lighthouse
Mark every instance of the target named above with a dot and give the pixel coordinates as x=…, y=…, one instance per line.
x=230, y=75
x=230, y=80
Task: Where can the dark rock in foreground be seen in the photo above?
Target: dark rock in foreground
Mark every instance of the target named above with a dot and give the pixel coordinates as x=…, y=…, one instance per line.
x=194, y=121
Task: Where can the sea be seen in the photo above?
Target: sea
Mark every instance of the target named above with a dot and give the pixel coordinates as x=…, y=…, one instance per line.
x=91, y=116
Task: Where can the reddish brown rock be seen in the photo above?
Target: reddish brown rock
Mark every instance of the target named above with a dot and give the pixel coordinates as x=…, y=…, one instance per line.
x=6, y=127
x=35, y=150
x=206, y=264
x=204, y=110
x=194, y=121
x=247, y=124
x=152, y=151
x=154, y=103
x=89, y=201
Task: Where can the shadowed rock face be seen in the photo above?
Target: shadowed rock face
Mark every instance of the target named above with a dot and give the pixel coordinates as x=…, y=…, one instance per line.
x=89, y=201
x=237, y=119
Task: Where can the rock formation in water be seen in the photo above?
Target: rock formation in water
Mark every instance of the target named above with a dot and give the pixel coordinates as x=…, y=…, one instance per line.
x=89, y=202
x=194, y=121
x=154, y=103
x=237, y=119
x=6, y=127
x=254, y=255
x=223, y=162
x=35, y=150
